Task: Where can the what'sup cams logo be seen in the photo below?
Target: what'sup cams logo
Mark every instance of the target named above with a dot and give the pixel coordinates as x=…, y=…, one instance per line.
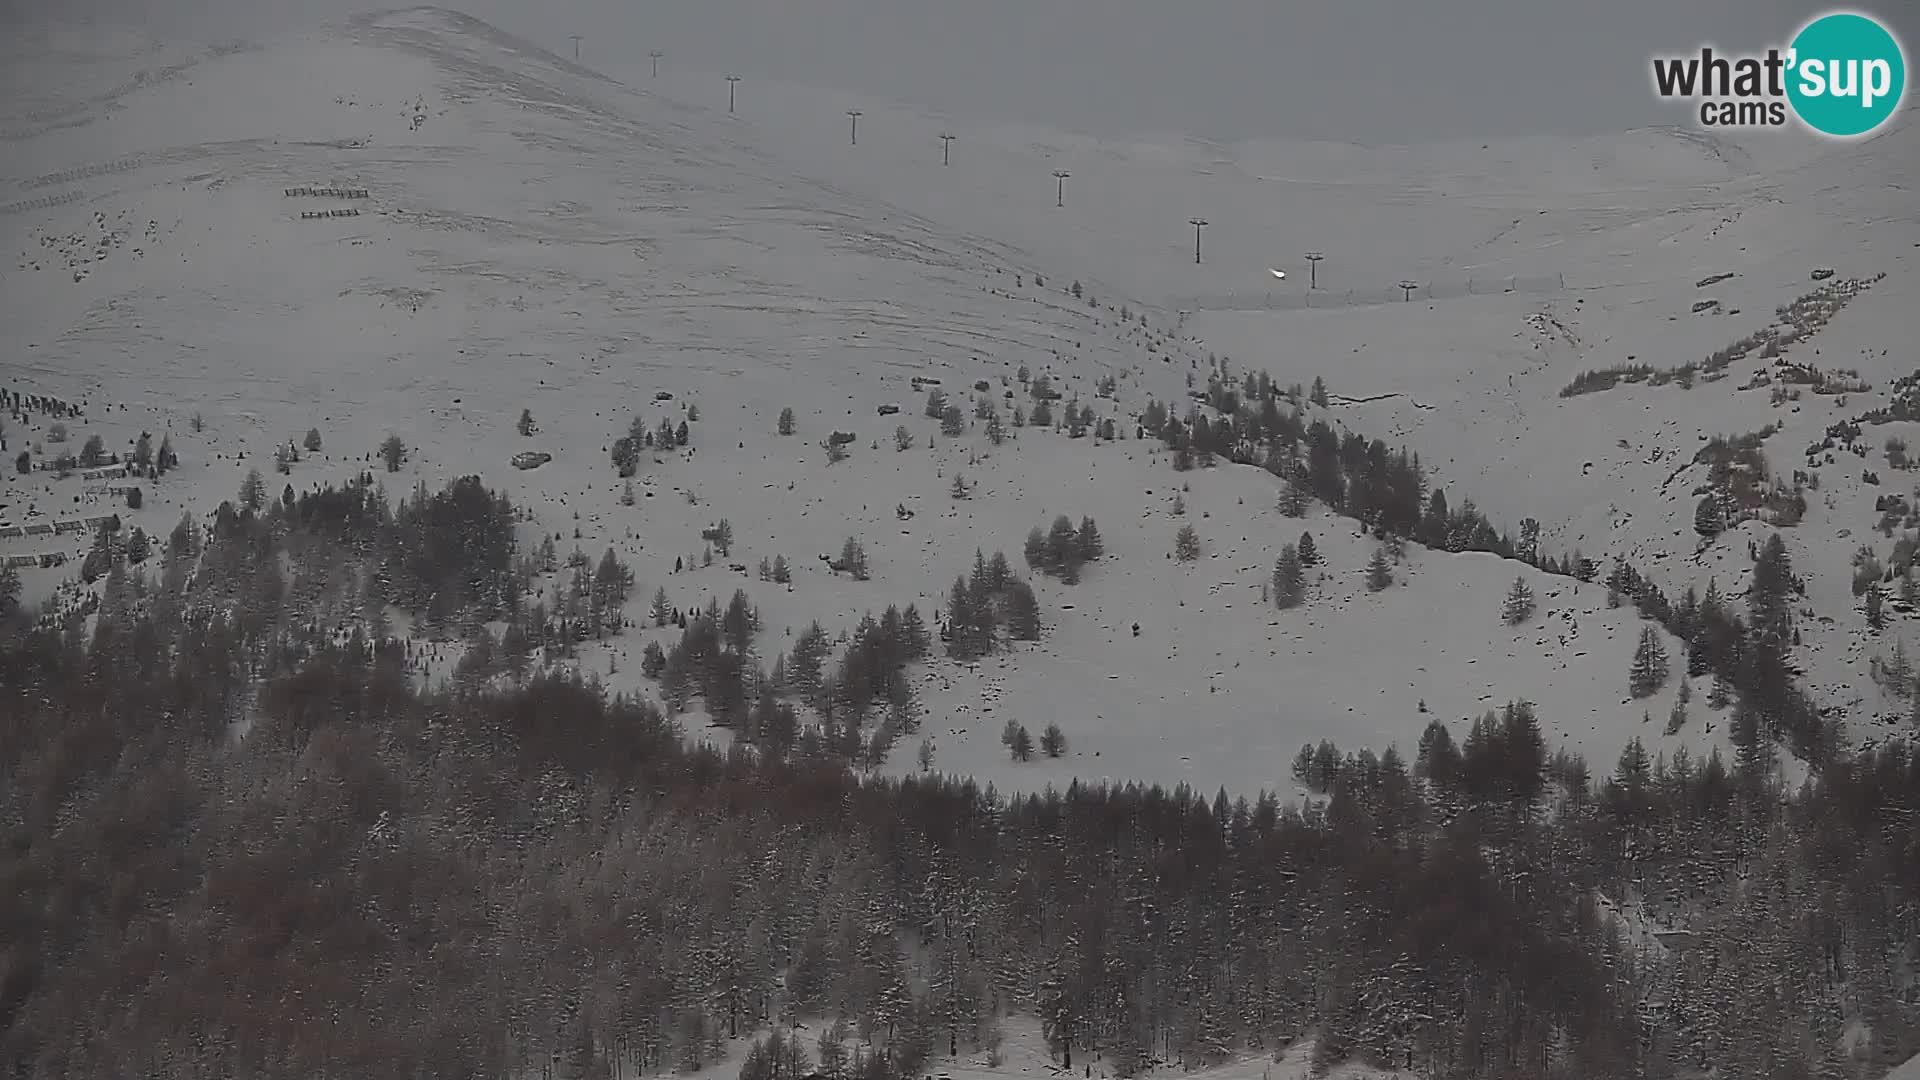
x=1843, y=76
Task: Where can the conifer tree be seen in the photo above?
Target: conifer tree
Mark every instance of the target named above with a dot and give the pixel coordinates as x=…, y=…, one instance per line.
x=1709, y=516
x=1648, y=672
x=653, y=660
x=1519, y=605
x=1289, y=579
x=999, y=573
x=1524, y=750
x=1896, y=671
x=9, y=590
x=915, y=639
x=963, y=637
x=1053, y=741
x=737, y=623
x=1186, y=544
x=1091, y=546
x=853, y=559
x=1023, y=612
x=1720, y=695
x=1438, y=761
x=1677, y=716
x=1309, y=554
x=1063, y=543
x=1293, y=499
x=253, y=492
x=626, y=456
x=1379, y=573
x=1021, y=746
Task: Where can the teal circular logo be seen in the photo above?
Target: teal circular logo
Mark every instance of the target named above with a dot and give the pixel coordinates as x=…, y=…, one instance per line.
x=1847, y=75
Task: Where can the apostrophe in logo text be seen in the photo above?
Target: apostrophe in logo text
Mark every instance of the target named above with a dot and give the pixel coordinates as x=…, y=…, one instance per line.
x=1843, y=75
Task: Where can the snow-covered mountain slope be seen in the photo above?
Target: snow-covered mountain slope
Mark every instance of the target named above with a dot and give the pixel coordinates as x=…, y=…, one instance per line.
x=1476, y=386
x=1532, y=260
x=534, y=234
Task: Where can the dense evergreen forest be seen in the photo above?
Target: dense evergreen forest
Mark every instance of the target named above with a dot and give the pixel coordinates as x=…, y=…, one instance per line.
x=241, y=841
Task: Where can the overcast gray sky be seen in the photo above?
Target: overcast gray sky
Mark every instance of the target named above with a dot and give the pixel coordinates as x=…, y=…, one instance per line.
x=1361, y=70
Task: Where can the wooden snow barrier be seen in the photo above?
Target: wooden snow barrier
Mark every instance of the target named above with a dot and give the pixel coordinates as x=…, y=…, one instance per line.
x=41, y=203
x=39, y=559
x=327, y=193
x=310, y=215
